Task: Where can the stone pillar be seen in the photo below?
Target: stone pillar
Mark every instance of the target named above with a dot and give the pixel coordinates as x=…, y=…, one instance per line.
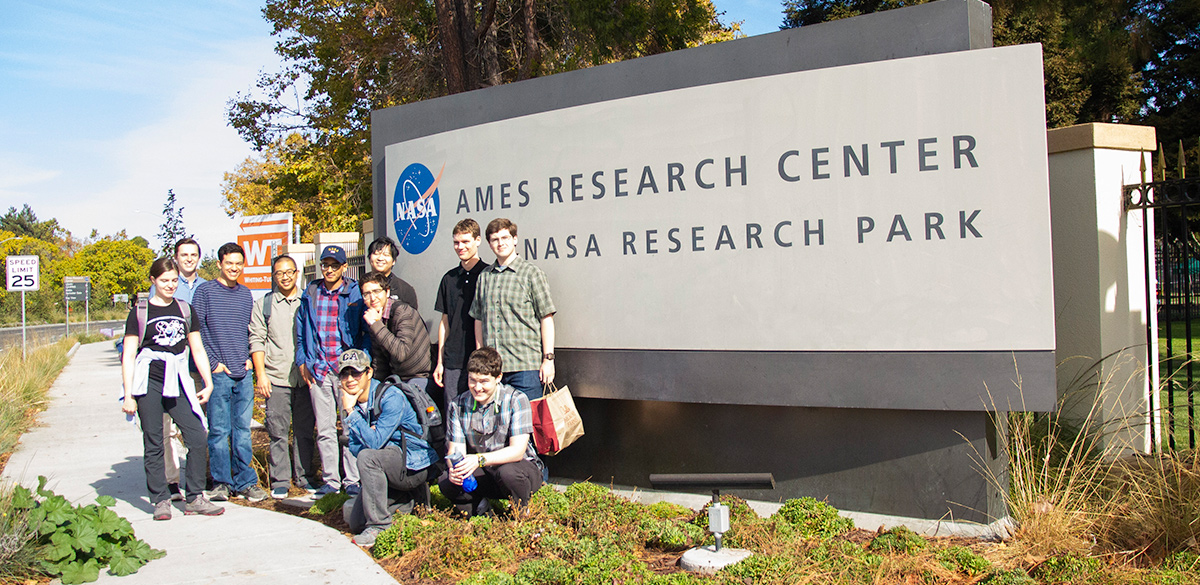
x=1105, y=367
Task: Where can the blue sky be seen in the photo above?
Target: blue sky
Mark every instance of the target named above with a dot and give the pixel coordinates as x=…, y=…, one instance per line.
x=105, y=105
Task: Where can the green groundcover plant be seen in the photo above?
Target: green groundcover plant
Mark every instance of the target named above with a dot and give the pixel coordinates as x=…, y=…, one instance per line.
x=76, y=542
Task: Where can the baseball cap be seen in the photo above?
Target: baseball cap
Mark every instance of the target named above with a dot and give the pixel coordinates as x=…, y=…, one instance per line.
x=354, y=358
x=334, y=252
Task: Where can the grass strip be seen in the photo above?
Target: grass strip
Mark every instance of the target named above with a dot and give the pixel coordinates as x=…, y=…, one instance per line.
x=23, y=387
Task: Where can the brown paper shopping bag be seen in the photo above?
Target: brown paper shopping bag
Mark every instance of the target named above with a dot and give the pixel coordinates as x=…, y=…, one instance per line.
x=556, y=422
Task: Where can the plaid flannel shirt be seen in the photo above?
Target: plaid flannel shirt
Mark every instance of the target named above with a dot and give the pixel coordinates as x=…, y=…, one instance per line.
x=487, y=428
x=511, y=301
x=326, y=318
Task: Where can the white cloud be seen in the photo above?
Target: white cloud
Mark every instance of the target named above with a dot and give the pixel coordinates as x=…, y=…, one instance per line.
x=187, y=149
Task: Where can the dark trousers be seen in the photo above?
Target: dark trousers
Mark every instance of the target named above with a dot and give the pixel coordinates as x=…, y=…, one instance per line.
x=517, y=480
x=387, y=487
x=150, y=410
x=291, y=408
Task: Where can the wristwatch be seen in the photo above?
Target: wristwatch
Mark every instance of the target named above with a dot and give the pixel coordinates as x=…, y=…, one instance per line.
x=482, y=461
x=548, y=356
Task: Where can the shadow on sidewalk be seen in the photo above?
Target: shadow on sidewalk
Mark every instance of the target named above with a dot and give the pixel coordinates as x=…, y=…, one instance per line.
x=126, y=481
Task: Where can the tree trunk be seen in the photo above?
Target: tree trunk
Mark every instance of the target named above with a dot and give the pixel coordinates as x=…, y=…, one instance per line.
x=452, y=52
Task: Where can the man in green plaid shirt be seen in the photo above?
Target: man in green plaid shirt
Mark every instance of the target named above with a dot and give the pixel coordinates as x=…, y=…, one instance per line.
x=513, y=313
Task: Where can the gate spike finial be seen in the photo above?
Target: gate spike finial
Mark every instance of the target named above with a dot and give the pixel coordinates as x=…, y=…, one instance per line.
x=1182, y=162
x=1160, y=169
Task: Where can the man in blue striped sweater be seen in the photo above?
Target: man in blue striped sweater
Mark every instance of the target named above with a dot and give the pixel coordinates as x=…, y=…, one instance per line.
x=223, y=307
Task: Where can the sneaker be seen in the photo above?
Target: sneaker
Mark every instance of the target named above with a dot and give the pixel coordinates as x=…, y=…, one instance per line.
x=324, y=491
x=219, y=493
x=311, y=487
x=176, y=495
x=366, y=538
x=279, y=493
x=253, y=493
x=162, y=510
x=353, y=490
x=202, y=506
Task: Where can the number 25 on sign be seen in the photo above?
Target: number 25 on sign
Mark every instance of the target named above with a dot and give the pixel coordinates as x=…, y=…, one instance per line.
x=22, y=273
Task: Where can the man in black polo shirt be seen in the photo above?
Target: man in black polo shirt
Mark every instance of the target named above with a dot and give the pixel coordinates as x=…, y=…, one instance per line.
x=456, y=330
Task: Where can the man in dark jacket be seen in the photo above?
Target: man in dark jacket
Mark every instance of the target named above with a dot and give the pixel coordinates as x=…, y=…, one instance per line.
x=328, y=322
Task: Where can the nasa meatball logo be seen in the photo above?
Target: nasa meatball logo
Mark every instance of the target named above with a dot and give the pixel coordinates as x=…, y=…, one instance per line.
x=415, y=207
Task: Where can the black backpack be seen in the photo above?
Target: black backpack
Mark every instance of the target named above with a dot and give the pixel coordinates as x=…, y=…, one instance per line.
x=433, y=427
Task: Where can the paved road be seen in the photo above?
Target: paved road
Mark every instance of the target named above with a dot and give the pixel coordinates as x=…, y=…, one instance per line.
x=86, y=448
x=42, y=334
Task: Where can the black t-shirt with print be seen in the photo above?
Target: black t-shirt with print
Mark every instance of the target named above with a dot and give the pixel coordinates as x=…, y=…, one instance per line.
x=166, y=331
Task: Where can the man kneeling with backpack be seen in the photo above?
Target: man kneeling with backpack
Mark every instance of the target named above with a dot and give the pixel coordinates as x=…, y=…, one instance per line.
x=390, y=440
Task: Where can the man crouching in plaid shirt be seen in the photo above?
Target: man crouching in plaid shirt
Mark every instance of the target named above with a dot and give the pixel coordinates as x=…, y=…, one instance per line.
x=492, y=426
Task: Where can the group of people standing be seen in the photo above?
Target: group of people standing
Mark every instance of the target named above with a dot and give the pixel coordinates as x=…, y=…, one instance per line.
x=342, y=350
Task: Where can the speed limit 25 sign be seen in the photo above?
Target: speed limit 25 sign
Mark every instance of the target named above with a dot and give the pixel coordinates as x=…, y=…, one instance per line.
x=22, y=273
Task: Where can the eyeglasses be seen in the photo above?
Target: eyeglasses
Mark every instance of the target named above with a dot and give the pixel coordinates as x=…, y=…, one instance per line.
x=349, y=373
x=374, y=293
x=285, y=273
x=330, y=267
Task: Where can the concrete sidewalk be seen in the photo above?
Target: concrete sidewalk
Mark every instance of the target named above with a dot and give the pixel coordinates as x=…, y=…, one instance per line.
x=85, y=448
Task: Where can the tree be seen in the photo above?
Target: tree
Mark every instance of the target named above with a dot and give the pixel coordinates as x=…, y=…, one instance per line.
x=1091, y=65
x=26, y=223
x=345, y=59
x=172, y=229
x=286, y=177
x=1172, y=76
x=115, y=266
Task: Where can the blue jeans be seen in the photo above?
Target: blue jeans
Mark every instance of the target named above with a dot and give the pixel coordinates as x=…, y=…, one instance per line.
x=229, y=410
x=528, y=381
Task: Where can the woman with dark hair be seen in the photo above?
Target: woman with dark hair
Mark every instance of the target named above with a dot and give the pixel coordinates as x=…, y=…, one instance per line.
x=154, y=367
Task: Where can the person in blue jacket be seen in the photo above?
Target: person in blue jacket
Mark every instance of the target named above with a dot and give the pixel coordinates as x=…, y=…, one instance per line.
x=329, y=322
x=384, y=433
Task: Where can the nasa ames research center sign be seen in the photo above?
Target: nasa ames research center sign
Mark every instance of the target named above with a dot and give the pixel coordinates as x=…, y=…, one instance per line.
x=897, y=207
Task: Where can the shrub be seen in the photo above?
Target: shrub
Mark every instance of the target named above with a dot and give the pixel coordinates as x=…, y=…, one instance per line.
x=1010, y=577
x=963, y=560
x=760, y=569
x=898, y=540
x=1066, y=569
x=1182, y=561
x=814, y=519
x=550, y=502
x=19, y=549
x=667, y=510
x=545, y=572
x=328, y=503
x=489, y=578
x=670, y=534
x=81, y=540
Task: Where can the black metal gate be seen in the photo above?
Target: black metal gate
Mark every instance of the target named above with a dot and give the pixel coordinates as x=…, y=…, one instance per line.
x=1174, y=207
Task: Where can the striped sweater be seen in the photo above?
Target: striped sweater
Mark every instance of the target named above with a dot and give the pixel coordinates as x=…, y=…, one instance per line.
x=224, y=315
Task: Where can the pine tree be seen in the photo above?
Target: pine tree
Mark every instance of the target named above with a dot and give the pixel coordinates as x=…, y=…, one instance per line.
x=171, y=229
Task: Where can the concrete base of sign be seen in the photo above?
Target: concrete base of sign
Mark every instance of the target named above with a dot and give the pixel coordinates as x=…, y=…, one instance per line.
x=707, y=561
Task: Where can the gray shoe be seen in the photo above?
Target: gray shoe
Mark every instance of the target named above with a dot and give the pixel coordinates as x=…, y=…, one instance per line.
x=366, y=538
x=253, y=493
x=219, y=493
x=162, y=510
x=202, y=506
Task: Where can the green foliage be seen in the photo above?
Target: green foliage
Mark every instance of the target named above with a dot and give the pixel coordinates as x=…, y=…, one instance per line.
x=963, y=560
x=1009, y=577
x=20, y=552
x=80, y=540
x=668, y=534
x=668, y=510
x=1067, y=569
x=26, y=223
x=898, y=540
x=115, y=267
x=813, y=518
x=1182, y=561
x=761, y=569
x=551, y=502
x=489, y=578
x=328, y=503
x=345, y=59
x=547, y=571
x=172, y=229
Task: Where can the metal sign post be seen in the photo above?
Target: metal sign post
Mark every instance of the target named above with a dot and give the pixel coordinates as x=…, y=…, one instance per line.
x=23, y=275
x=77, y=288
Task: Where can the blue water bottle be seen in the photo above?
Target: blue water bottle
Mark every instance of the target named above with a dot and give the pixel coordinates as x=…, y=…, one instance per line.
x=469, y=484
